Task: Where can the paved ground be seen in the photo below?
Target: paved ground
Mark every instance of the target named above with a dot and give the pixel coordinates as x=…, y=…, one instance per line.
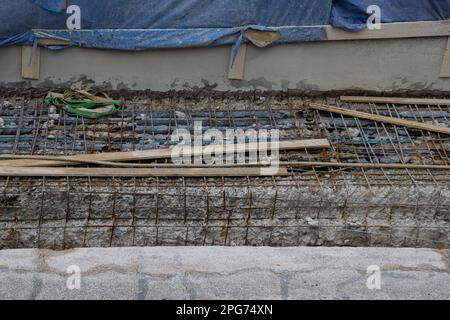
x=225, y=273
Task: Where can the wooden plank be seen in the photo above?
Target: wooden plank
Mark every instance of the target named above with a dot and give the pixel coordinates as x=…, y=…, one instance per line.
x=236, y=69
x=445, y=68
x=30, y=71
x=262, y=38
x=157, y=172
x=378, y=118
x=394, y=31
x=157, y=154
x=52, y=42
x=389, y=100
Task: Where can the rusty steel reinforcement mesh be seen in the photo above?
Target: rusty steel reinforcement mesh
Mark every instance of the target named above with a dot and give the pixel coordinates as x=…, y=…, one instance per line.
x=316, y=206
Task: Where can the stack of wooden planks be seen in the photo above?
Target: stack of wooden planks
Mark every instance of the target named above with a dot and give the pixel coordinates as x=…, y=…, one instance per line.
x=31, y=166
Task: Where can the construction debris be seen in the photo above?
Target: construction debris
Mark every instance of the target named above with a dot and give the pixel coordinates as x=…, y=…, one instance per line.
x=391, y=120
x=377, y=184
x=37, y=161
x=83, y=103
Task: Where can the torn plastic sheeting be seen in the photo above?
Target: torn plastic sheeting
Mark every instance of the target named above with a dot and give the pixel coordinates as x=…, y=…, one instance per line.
x=352, y=14
x=148, y=24
x=209, y=22
x=136, y=40
x=23, y=38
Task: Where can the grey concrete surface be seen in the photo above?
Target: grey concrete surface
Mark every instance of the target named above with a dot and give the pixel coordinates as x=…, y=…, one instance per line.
x=225, y=273
x=375, y=65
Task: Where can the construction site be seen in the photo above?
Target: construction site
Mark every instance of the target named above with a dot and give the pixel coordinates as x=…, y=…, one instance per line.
x=87, y=118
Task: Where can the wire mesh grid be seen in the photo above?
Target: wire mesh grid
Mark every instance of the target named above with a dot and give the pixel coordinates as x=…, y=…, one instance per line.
x=312, y=206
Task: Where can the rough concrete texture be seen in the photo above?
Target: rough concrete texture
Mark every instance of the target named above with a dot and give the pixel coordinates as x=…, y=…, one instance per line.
x=225, y=273
x=317, y=207
x=375, y=65
x=167, y=213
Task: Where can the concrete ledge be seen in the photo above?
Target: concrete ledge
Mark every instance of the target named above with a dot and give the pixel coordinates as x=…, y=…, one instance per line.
x=392, y=65
x=225, y=273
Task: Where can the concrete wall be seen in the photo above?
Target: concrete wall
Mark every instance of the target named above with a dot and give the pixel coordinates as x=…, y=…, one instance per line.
x=374, y=65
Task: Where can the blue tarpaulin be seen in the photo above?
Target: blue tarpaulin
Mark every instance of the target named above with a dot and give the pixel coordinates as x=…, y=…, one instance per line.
x=50, y=5
x=145, y=24
x=352, y=14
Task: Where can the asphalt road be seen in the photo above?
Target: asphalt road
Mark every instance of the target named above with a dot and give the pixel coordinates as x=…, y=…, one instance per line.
x=225, y=273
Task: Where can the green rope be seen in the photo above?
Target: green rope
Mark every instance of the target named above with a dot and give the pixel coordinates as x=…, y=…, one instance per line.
x=87, y=108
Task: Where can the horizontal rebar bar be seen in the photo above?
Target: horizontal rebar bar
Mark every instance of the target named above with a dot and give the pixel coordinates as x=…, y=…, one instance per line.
x=234, y=165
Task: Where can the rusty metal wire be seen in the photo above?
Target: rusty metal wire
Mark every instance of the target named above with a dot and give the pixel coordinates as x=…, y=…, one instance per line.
x=313, y=206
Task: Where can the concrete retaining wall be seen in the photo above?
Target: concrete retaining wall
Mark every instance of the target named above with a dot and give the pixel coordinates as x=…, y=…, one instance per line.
x=73, y=216
x=369, y=65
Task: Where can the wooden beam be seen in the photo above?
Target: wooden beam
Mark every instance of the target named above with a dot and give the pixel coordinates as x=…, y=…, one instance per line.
x=158, y=172
x=236, y=69
x=52, y=42
x=157, y=154
x=394, y=31
x=378, y=118
x=392, y=100
x=445, y=68
x=30, y=71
